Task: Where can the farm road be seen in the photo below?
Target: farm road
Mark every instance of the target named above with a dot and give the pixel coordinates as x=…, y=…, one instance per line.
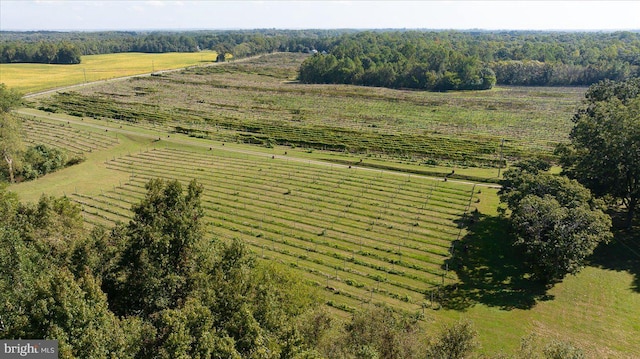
x=185, y=140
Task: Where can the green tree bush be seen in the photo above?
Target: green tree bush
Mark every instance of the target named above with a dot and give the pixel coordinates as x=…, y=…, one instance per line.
x=562, y=350
x=40, y=160
x=10, y=139
x=456, y=341
x=94, y=292
x=557, y=221
x=157, y=265
x=604, y=149
x=40, y=295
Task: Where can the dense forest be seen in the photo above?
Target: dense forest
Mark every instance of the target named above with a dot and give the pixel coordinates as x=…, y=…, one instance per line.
x=432, y=60
x=452, y=60
x=397, y=60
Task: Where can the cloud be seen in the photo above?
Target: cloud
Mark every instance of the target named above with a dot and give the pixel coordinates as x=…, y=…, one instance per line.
x=156, y=3
x=137, y=8
x=162, y=4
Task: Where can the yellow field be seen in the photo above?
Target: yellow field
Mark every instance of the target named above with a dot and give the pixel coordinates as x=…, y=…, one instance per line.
x=28, y=78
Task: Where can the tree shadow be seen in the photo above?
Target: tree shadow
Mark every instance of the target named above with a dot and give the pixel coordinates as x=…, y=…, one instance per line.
x=490, y=270
x=622, y=253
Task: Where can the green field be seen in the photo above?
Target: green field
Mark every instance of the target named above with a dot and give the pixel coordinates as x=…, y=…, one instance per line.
x=28, y=78
x=361, y=234
x=259, y=102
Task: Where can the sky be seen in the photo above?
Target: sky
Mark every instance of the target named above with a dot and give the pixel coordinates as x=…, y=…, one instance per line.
x=68, y=15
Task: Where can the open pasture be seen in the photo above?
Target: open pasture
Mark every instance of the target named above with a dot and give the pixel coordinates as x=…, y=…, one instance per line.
x=29, y=78
x=259, y=102
x=362, y=235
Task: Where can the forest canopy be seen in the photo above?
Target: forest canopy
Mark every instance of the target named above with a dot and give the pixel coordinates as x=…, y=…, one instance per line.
x=452, y=60
x=397, y=60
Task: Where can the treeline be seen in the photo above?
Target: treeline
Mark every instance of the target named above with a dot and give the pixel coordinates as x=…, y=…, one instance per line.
x=537, y=73
x=397, y=60
x=40, y=47
x=40, y=52
x=469, y=60
x=50, y=50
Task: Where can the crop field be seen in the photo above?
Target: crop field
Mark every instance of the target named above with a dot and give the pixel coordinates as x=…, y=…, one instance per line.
x=375, y=237
x=65, y=137
x=28, y=78
x=362, y=235
x=259, y=102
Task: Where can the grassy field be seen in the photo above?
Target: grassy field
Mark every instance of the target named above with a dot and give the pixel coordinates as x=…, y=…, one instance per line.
x=360, y=232
x=28, y=78
x=259, y=102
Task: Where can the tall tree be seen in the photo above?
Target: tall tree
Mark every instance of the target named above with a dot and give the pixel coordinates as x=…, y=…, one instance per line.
x=159, y=259
x=558, y=238
x=10, y=139
x=9, y=99
x=10, y=143
x=604, y=152
x=556, y=221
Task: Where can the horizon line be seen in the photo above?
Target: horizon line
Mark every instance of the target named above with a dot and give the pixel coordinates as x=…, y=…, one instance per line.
x=320, y=28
